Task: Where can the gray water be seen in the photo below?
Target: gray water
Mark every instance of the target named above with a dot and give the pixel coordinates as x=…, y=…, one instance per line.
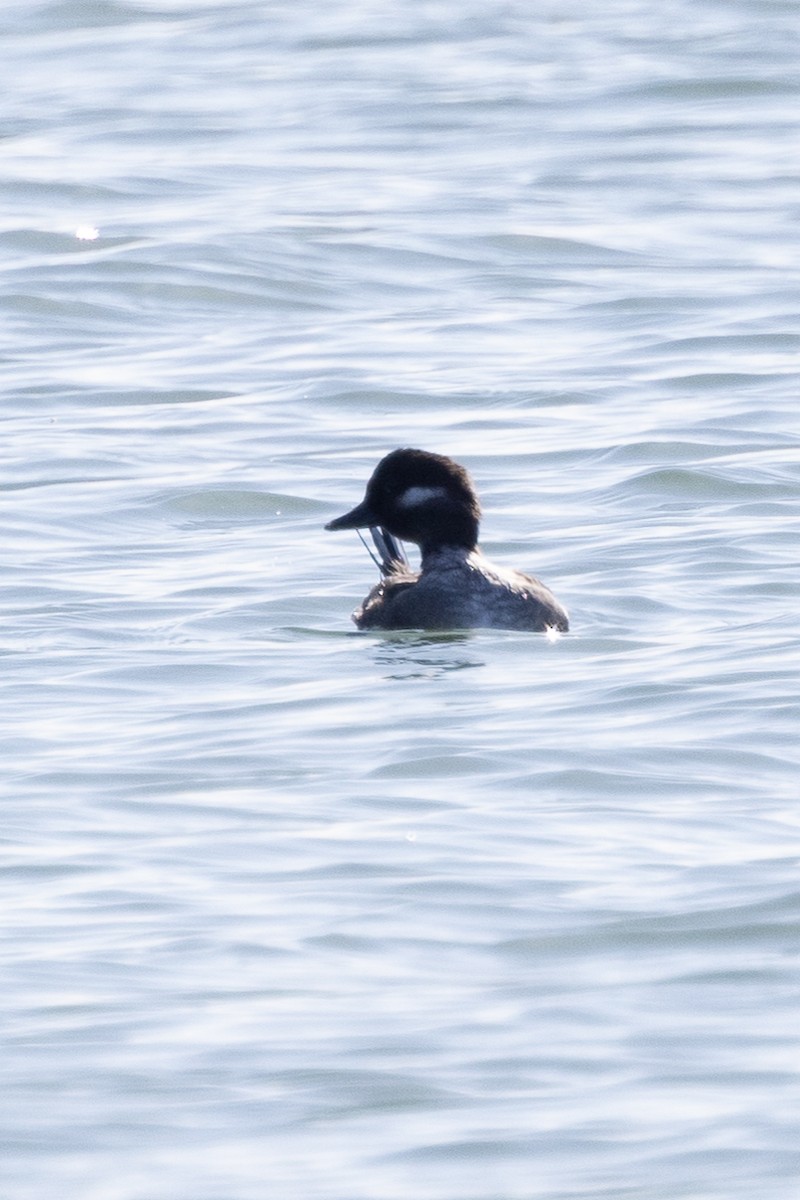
x=293, y=911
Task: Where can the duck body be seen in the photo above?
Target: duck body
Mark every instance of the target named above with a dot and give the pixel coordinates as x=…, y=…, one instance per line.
x=430, y=500
x=458, y=589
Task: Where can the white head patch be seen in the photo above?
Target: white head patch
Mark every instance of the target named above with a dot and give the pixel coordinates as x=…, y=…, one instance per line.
x=413, y=497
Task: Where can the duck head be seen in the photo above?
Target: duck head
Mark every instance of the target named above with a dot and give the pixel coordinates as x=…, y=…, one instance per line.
x=419, y=497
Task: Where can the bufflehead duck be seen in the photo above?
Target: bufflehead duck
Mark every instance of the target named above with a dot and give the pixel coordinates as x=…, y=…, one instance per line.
x=430, y=500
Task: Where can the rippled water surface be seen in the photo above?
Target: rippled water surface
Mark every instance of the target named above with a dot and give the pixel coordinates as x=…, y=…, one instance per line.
x=295, y=911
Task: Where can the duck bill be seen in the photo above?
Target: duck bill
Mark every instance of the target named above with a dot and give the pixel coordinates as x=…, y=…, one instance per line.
x=359, y=517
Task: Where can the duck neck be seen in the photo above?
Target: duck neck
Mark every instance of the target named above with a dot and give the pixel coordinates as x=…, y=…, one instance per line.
x=443, y=553
x=455, y=534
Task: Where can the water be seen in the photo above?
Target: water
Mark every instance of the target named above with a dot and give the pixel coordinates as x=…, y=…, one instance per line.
x=295, y=911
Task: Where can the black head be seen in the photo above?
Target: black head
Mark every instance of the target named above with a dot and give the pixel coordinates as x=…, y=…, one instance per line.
x=419, y=497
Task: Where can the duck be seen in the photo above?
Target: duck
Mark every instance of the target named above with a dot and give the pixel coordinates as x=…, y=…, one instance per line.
x=429, y=499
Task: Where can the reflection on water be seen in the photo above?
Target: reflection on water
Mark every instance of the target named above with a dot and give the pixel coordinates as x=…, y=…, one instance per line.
x=410, y=654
